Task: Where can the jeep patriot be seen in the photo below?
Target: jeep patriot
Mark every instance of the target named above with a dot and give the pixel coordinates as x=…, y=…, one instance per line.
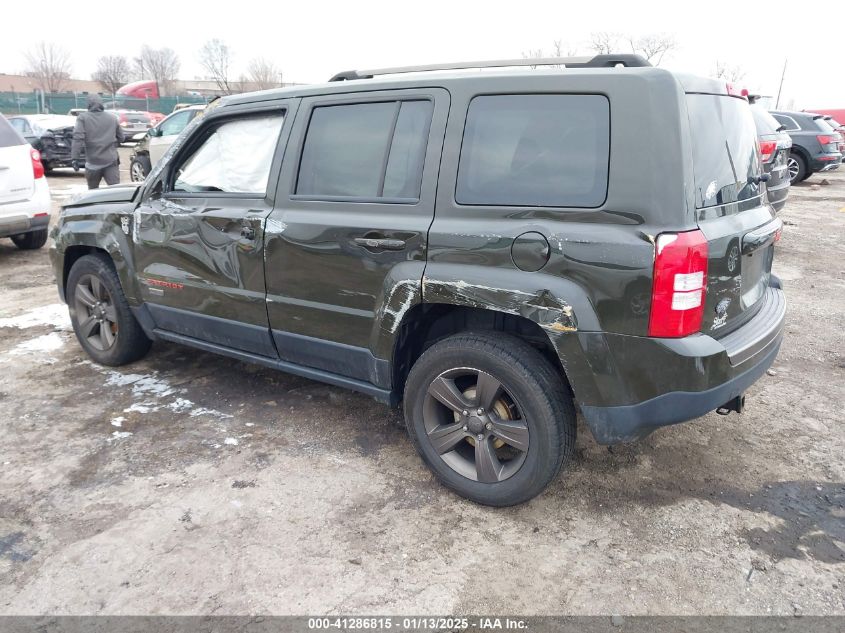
x=493, y=251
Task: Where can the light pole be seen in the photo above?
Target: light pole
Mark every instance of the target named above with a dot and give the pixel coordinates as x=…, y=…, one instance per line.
x=782, y=75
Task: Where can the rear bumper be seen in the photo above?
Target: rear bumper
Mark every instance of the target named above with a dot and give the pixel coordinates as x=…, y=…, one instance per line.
x=19, y=217
x=830, y=162
x=20, y=224
x=675, y=380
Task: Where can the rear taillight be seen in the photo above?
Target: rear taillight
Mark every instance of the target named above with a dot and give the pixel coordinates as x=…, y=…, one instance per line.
x=679, y=285
x=767, y=150
x=829, y=142
x=37, y=166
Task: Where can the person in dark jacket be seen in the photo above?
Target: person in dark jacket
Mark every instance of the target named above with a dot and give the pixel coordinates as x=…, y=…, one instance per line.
x=99, y=133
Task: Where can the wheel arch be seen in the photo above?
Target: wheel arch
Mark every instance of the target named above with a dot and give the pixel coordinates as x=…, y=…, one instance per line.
x=84, y=234
x=424, y=324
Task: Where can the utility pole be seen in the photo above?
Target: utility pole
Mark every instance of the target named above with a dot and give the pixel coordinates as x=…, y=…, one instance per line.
x=782, y=75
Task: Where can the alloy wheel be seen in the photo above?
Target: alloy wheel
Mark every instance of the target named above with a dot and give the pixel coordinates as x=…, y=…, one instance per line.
x=136, y=172
x=792, y=167
x=96, y=313
x=475, y=425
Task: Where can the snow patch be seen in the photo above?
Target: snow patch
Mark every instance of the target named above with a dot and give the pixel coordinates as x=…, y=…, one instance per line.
x=231, y=441
x=40, y=344
x=55, y=314
x=140, y=408
x=118, y=421
x=119, y=435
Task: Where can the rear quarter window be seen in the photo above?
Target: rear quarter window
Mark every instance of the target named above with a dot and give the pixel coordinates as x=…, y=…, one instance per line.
x=535, y=151
x=724, y=149
x=9, y=136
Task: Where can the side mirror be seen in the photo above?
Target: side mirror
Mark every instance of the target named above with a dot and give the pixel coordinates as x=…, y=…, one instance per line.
x=154, y=131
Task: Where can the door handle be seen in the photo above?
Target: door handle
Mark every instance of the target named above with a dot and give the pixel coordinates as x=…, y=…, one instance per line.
x=380, y=243
x=247, y=232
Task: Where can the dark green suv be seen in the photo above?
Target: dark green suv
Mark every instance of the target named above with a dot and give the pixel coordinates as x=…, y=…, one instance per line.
x=494, y=250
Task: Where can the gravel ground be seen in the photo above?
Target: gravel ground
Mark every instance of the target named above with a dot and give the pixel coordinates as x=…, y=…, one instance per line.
x=193, y=484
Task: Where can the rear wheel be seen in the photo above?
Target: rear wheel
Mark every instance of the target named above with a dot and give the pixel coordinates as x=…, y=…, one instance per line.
x=490, y=416
x=797, y=167
x=30, y=241
x=101, y=317
x=139, y=168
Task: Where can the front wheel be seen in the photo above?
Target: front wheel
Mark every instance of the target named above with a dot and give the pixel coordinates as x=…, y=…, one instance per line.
x=30, y=241
x=101, y=317
x=490, y=416
x=139, y=168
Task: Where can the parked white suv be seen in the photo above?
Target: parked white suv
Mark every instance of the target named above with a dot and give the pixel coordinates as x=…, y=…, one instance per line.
x=24, y=194
x=158, y=140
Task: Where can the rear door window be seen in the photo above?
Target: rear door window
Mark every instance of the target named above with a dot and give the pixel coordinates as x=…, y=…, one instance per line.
x=365, y=150
x=724, y=149
x=535, y=150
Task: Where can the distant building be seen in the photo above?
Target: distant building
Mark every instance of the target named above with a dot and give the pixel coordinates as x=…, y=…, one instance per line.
x=23, y=83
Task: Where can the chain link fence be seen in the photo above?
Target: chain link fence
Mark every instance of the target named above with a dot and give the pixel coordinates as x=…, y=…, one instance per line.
x=62, y=102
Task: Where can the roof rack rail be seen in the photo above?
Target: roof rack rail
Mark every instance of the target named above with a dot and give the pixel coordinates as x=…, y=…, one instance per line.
x=597, y=61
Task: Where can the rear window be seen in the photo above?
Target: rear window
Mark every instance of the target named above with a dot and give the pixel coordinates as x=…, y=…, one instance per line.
x=9, y=136
x=766, y=123
x=824, y=125
x=535, y=151
x=724, y=149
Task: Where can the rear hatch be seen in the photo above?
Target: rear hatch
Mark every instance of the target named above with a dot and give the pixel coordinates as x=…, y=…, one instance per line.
x=16, y=176
x=732, y=212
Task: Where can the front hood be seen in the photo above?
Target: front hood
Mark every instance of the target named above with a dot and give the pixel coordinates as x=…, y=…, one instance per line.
x=116, y=193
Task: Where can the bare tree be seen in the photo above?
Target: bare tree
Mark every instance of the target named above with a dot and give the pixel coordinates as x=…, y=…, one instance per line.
x=159, y=64
x=653, y=46
x=557, y=50
x=567, y=50
x=49, y=64
x=604, y=43
x=729, y=73
x=264, y=73
x=216, y=58
x=112, y=72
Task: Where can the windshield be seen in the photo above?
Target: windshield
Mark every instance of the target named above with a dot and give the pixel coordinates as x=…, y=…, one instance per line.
x=724, y=149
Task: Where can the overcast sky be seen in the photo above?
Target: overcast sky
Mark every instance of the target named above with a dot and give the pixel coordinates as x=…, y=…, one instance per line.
x=310, y=41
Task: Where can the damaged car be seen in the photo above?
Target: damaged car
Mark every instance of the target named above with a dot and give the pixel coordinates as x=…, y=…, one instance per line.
x=490, y=251
x=50, y=134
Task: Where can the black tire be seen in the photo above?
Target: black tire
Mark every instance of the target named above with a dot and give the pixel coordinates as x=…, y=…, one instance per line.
x=139, y=168
x=103, y=322
x=531, y=388
x=797, y=168
x=30, y=241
